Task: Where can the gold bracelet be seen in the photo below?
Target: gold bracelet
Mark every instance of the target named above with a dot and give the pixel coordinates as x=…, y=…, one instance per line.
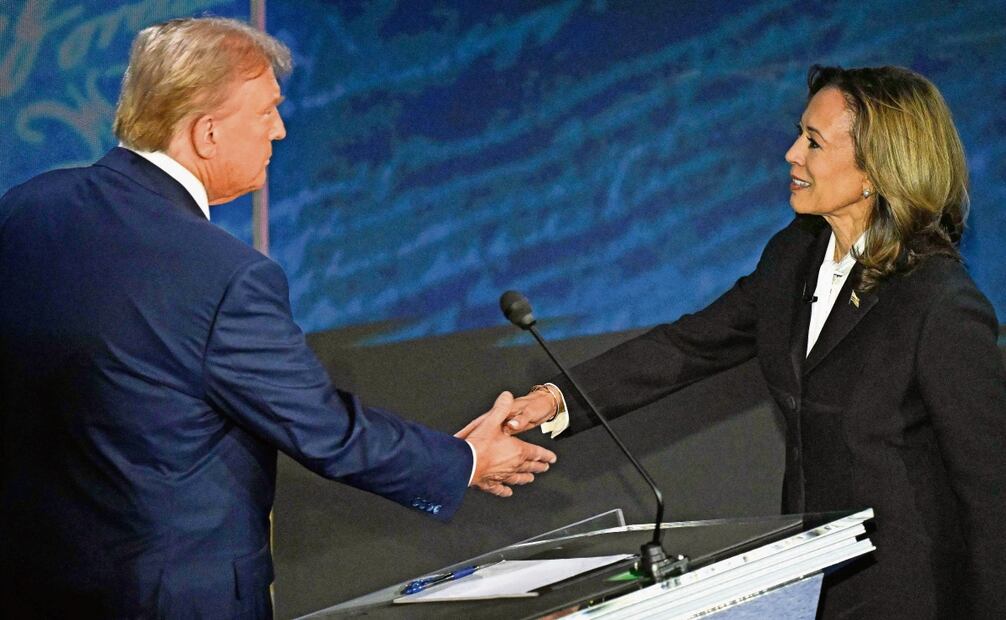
x=555, y=399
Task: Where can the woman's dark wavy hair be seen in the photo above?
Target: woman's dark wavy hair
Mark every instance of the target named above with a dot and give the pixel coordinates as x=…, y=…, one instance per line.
x=906, y=143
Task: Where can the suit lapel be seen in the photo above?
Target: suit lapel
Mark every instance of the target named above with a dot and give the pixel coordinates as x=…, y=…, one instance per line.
x=849, y=309
x=804, y=291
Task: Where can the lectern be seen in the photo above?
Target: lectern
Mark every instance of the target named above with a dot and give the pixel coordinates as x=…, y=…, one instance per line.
x=738, y=568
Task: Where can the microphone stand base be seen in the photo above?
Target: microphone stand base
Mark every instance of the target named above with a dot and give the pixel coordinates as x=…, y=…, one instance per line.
x=656, y=566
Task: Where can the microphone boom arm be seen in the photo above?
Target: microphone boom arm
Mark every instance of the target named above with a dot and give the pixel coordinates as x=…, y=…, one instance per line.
x=653, y=560
x=657, y=532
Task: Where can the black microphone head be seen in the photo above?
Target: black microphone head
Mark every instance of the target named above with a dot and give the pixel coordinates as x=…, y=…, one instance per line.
x=517, y=309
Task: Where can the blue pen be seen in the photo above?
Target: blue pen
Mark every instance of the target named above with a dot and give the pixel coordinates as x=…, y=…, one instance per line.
x=422, y=583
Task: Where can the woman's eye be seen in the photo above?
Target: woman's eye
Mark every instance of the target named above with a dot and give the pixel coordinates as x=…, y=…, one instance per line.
x=799, y=132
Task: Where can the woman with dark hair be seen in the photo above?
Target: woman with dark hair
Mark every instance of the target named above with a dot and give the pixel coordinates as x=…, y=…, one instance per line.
x=873, y=340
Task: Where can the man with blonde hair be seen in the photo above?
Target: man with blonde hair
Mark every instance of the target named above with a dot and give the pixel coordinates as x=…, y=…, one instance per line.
x=150, y=368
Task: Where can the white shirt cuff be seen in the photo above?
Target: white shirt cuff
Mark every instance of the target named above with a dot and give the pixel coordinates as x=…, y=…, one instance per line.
x=561, y=420
x=475, y=457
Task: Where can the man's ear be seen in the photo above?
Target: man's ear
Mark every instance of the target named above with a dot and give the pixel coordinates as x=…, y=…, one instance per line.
x=204, y=138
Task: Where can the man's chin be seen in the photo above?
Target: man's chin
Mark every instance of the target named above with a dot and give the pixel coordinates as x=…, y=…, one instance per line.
x=219, y=200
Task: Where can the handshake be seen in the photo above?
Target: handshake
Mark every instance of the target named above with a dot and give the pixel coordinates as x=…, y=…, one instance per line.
x=502, y=460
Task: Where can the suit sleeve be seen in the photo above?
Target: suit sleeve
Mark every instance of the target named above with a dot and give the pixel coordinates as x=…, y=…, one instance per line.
x=963, y=385
x=260, y=372
x=667, y=358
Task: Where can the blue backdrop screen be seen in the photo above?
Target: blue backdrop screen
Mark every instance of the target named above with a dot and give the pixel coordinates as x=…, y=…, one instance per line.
x=619, y=162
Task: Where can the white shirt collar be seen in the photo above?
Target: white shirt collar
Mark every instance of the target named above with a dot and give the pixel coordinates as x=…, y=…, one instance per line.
x=831, y=276
x=179, y=173
x=844, y=265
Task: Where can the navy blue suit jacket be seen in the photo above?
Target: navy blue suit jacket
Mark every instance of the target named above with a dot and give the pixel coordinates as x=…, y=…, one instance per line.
x=149, y=371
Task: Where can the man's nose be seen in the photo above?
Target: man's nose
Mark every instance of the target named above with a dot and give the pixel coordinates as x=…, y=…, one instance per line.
x=278, y=130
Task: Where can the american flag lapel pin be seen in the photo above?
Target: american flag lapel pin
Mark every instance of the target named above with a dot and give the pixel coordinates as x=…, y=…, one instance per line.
x=854, y=299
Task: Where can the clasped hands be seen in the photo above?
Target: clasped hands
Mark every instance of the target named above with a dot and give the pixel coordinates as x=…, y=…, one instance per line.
x=502, y=460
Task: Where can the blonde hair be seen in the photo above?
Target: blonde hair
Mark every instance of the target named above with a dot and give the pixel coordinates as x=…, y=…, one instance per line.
x=907, y=144
x=187, y=67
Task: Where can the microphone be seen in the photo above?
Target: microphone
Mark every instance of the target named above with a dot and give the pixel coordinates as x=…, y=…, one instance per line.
x=654, y=562
x=517, y=309
x=808, y=297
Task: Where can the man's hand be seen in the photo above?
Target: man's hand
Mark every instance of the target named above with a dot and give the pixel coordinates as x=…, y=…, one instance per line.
x=529, y=411
x=502, y=460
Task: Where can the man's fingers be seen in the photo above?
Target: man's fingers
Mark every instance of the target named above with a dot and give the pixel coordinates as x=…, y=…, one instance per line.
x=537, y=453
x=504, y=460
x=519, y=478
x=496, y=415
x=532, y=467
x=535, y=459
x=495, y=488
x=471, y=426
x=463, y=433
x=501, y=408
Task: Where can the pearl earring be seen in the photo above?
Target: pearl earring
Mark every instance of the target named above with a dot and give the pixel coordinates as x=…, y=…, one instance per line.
x=866, y=193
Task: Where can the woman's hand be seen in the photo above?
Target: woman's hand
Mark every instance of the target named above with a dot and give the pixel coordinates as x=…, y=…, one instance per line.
x=530, y=410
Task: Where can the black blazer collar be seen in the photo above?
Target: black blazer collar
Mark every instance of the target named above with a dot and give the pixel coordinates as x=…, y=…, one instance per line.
x=803, y=296
x=850, y=307
x=151, y=177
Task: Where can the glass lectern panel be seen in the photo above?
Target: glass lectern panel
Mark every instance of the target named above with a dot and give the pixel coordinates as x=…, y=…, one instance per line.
x=703, y=542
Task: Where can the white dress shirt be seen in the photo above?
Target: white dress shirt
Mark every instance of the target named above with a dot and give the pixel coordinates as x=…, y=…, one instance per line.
x=179, y=173
x=830, y=279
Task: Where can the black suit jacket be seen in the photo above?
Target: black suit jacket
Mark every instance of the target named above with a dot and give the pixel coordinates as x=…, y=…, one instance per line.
x=900, y=406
